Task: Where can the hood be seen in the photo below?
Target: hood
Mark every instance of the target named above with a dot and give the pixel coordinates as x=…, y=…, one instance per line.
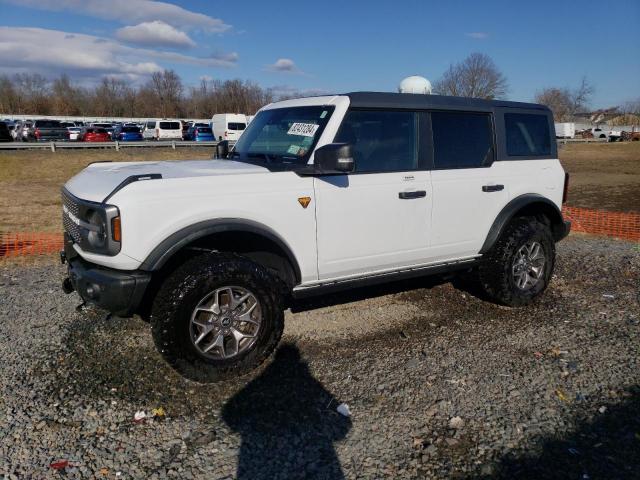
x=98, y=180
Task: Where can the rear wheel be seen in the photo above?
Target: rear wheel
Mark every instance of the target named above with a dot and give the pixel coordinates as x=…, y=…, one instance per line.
x=519, y=266
x=216, y=317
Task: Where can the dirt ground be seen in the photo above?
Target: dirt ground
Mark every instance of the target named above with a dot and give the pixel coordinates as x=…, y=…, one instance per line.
x=604, y=176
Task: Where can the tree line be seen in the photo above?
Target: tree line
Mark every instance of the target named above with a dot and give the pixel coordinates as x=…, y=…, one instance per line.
x=164, y=95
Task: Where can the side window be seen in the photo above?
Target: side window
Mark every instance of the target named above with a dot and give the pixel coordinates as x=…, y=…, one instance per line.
x=527, y=134
x=383, y=141
x=462, y=140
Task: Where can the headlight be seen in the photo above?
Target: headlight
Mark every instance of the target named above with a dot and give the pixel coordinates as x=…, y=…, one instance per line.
x=97, y=233
x=95, y=227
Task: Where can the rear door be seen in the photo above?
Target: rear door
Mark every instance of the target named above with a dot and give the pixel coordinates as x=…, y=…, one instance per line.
x=378, y=217
x=469, y=190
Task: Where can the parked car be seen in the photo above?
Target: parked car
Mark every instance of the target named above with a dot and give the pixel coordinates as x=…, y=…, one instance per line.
x=47, y=130
x=319, y=194
x=185, y=127
x=599, y=133
x=5, y=134
x=127, y=133
x=11, y=126
x=199, y=133
x=228, y=126
x=168, y=130
x=149, y=131
x=22, y=130
x=68, y=124
x=74, y=132
x=107, y=126
x=94, y=134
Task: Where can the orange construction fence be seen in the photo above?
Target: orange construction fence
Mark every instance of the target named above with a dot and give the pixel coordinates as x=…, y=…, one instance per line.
x=599, y=222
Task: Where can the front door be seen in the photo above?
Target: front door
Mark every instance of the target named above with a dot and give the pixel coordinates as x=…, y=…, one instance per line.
x=378, y=217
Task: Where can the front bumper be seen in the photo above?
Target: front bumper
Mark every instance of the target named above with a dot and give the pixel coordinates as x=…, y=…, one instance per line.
x=117, y=291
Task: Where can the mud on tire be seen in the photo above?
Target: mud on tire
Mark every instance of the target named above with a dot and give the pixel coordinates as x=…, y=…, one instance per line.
x=496, y=270
x=181, y=292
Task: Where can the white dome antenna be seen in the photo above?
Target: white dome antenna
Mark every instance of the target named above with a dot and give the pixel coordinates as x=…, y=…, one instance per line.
x=415, y=84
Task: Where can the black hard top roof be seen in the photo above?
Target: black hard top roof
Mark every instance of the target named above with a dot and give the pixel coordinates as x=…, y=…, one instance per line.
x=418, y=101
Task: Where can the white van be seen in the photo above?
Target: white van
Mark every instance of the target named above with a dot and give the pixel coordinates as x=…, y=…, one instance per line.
x=168, y=130
x=149, y=130
x=228, y=126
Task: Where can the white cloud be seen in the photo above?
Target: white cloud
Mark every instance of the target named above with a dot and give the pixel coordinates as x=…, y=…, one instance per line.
x=131, y=11
x=284, y=65
x=53, y=52
x=478, y=35
x=155, y=34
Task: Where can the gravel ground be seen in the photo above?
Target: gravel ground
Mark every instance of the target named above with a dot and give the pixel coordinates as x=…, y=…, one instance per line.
x=439, y=383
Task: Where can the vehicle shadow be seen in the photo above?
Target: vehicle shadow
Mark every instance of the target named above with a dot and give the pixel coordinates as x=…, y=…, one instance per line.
x=605, y=447
x=287, y=421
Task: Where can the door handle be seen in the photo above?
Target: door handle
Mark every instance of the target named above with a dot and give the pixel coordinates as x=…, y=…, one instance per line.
x=414, y=194
x=492, y=188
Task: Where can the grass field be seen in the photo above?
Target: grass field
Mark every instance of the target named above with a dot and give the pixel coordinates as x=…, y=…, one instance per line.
x=604, y=176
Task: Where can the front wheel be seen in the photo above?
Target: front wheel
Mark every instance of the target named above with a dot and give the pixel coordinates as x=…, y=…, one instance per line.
x=217, y=317
x=519, y=266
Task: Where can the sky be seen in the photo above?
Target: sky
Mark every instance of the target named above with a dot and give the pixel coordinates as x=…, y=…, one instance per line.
x=328, y=46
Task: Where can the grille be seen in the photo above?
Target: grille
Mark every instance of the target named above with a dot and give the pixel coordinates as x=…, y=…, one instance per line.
x=72, y=229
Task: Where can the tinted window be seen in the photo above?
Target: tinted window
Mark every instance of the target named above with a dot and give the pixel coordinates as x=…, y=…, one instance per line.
x=203, y=130
x=151, y=124
x=131, y=129
x=48, y=124
x=382, y=141
x=462, y=140
x=170, y=125
x=236, y=126
x=527, y=134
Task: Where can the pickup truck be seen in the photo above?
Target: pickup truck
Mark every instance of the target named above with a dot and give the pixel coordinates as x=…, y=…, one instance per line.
x=47, y=130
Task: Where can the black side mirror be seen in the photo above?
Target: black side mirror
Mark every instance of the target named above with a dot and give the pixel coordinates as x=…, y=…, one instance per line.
x=222, y=149
x=334, y=158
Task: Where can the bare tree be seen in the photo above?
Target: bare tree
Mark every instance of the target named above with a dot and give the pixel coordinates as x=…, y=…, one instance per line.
x=476, y=76
x=167, y=87
x=566, y=103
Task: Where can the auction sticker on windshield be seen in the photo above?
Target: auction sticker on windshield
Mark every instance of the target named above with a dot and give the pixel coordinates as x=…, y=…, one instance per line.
x=303, y=129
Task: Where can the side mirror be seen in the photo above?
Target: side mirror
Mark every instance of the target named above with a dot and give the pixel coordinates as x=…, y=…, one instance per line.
x=334, y=158
x=222, y=149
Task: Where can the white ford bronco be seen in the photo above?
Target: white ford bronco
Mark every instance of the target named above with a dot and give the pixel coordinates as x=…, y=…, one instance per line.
x=318, y=194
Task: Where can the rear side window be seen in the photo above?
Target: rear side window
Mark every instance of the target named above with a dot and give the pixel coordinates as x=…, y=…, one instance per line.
x=462, y=140
x=527, y=134
x=236, y=126
x=169, y=125
x=151, y=124
x=382, y=141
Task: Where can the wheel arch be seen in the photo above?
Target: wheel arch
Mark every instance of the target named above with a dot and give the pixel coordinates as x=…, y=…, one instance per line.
x=530, y=204
x=227, y=234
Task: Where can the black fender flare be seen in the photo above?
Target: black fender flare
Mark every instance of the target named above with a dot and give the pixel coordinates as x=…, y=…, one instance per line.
x=545, y=205
x=176, y=241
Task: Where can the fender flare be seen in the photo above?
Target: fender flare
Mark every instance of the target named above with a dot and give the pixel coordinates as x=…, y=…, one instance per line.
x=176, y=241
x=513, y=207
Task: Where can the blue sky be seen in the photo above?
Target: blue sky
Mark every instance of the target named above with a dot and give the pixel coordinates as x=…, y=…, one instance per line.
x=328, y=46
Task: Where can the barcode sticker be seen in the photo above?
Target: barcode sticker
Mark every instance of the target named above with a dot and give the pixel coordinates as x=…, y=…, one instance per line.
x=303, y=129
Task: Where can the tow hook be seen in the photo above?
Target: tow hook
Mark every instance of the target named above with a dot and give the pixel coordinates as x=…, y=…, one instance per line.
x=67, y=286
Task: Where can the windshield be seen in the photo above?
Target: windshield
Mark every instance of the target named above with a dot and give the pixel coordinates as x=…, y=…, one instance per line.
x=203, y=130
x=169, y=126
x=131, y=129
x=283, y=135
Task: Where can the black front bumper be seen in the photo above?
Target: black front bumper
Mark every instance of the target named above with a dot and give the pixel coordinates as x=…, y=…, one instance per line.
x=117, y=291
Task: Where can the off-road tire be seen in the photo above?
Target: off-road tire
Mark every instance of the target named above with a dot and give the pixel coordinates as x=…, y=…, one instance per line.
x=495, y=270
x=185, y=287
